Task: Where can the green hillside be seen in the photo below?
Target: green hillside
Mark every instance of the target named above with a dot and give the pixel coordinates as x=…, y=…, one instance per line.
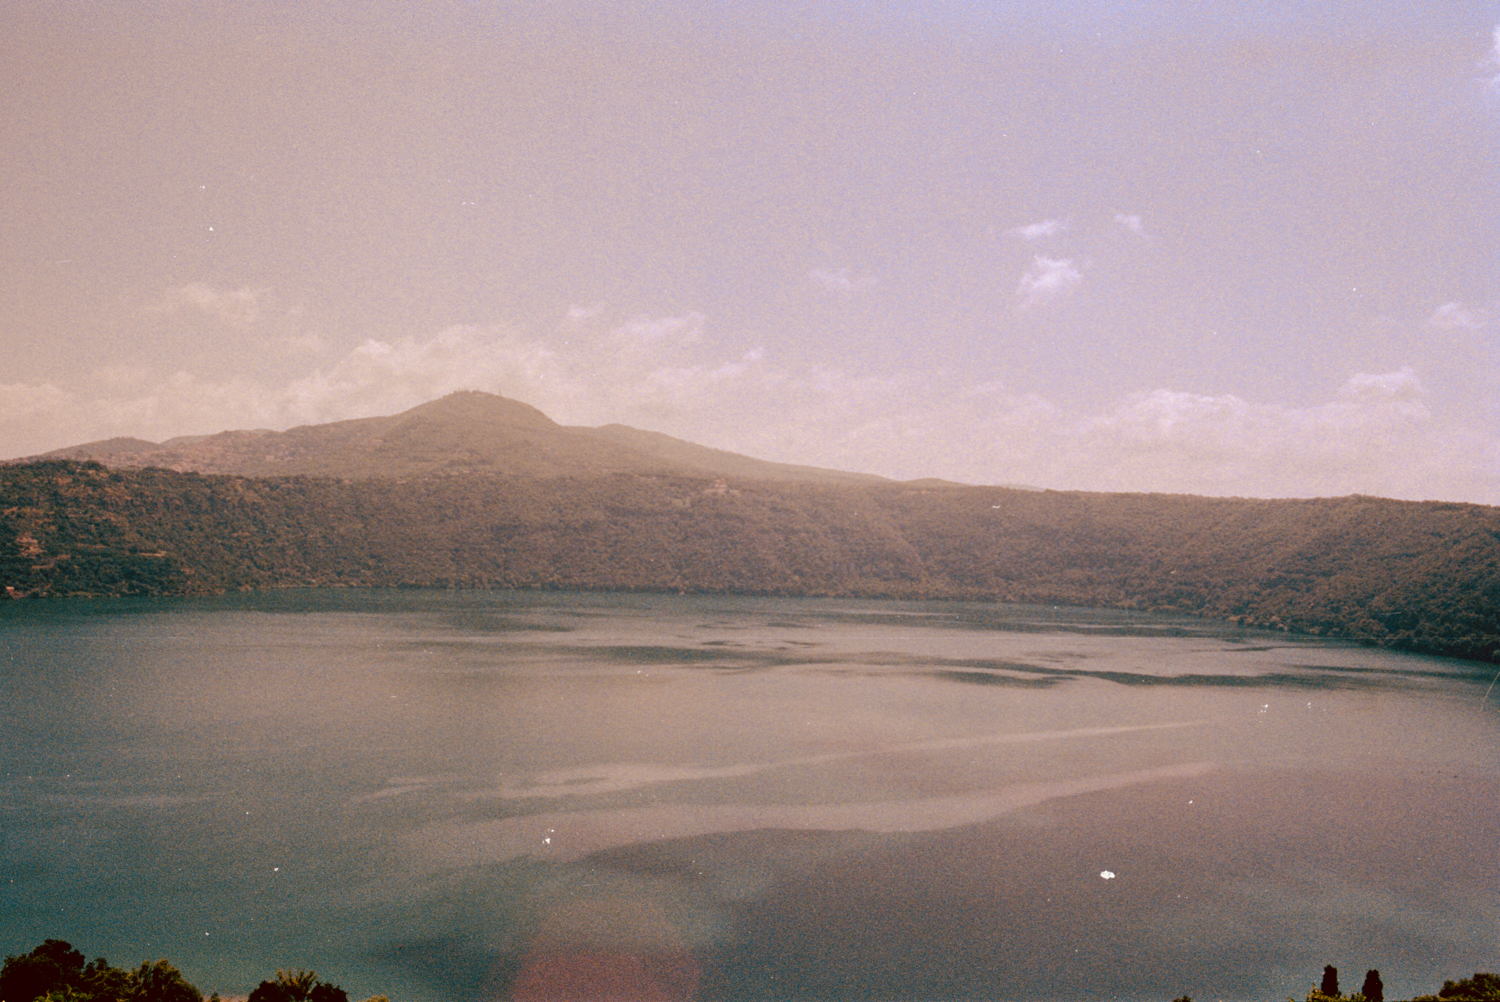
x=1420, y=576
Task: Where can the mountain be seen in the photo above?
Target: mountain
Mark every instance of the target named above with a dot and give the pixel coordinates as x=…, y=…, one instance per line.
x=465, y=432
x=690, y=457
x=475, y=490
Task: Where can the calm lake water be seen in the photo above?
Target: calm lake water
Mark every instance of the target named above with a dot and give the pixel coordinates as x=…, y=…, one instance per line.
x=464, y=795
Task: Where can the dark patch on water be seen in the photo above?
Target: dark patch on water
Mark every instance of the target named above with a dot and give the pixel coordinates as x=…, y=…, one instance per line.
x=453, y=965
x=739, y=659
x=1315, y=677
x=503, y=624
x=21, y=871
x=1017, y=907
x=992, y=678
x=298, y=730
x=1272, y=680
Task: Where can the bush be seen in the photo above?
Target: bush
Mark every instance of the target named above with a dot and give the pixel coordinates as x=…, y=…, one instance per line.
x=161, y=982
x=1481, y=986
x=297, y=986
x=53, y=967
x=55, y=972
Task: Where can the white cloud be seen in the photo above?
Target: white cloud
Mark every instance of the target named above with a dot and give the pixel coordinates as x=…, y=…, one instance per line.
x=1378, y=437
x=1399, y=387
x=1036, y=231
x=841, y=281
x=1457, y=316
x=1046, y=279
x=642, y=333
x=1131, y=223
x=42, y=417
x=1374, y=435
x=384, y=377
x=236, y=307
x=579, y=314
x=637, y=369
x=1491, y=63
x=24, y=402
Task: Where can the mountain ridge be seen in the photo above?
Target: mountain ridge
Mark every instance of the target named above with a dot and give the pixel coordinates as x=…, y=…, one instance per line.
x=475, y=490
x=463, y=432
x=1422, y=576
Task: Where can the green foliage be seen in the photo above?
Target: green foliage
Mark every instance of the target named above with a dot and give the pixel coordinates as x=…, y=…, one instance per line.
x=297, y=986
x=161, y=982
x=54, y=967
x=1418, y=576
x=55, y=972
x=1481, y=986
x=103, y=983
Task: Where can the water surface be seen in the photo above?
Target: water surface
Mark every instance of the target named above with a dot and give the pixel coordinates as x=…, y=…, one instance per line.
x=443, y=796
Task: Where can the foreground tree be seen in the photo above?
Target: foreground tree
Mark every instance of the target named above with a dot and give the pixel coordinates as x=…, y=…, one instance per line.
x=298, y=986
x=56, y=971
x=103, y=983
x=1330, y=985
x=52, y=967
x=161, y=982
x=1373, y=990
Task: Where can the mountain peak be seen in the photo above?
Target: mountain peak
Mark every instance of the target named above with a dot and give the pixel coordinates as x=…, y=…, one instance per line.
x=463, y=432
x=489, y=408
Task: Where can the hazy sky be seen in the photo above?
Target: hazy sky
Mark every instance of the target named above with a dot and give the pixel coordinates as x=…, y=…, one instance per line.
x=1224, y=248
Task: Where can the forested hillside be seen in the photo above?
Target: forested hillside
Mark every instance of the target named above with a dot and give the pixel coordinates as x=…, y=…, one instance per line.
x=1421, y=576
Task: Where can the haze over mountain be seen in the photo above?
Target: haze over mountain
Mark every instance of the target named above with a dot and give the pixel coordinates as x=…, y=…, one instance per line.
x=464, y=432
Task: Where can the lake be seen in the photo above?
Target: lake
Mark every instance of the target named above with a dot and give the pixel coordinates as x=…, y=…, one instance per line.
x=486, y=795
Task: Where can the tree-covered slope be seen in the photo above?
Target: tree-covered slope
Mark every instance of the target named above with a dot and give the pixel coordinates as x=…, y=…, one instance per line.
x=1423, y=576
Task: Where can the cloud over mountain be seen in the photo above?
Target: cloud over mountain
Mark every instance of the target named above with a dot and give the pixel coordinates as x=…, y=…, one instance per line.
x=1376, y=434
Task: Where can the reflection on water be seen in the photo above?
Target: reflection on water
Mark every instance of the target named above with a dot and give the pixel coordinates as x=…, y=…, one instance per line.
x=573, y=834
x=457, y=795
x=605, y=947
x=609, y=777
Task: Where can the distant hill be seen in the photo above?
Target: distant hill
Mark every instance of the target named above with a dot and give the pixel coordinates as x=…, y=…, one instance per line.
x=462, y=433
x=475, y=490
x=1421, y=576
x=687, y=456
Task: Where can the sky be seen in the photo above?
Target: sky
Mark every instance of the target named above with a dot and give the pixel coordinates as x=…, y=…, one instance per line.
x=1227, y=248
